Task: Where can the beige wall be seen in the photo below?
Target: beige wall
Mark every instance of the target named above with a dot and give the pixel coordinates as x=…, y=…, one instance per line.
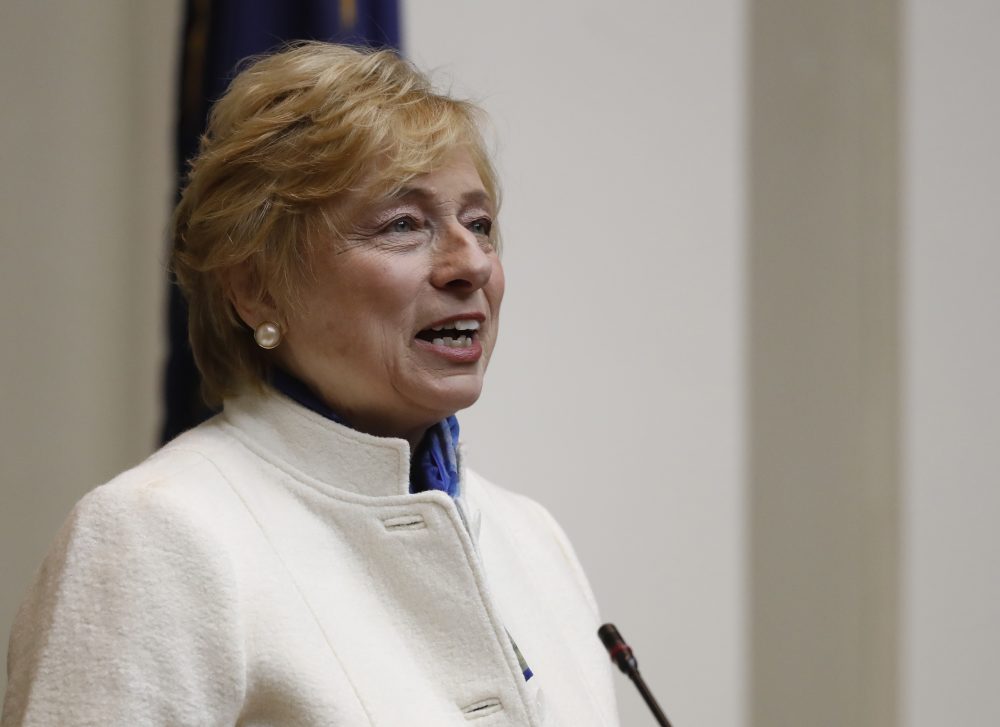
x=87, y=185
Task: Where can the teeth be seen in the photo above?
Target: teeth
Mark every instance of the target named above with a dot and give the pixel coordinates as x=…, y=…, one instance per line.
x=461, y=325
x=460, y=342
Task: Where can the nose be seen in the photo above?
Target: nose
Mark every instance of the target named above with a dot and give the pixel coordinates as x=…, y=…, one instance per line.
x=461, y=261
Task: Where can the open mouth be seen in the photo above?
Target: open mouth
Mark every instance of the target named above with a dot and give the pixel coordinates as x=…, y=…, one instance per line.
x=454, y=334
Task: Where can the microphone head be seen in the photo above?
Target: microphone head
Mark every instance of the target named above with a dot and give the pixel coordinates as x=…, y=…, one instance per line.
x=609, y=636
x=618, y=650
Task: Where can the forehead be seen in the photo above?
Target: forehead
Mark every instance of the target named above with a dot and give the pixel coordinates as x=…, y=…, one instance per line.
x=457, y=180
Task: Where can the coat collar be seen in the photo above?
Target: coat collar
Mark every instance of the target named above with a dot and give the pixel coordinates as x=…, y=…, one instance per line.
x=298, y=439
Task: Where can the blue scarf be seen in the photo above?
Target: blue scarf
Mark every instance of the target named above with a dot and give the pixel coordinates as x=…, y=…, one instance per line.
x=434, y=465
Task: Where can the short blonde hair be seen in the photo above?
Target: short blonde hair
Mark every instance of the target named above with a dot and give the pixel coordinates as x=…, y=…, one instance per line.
x=296, y=132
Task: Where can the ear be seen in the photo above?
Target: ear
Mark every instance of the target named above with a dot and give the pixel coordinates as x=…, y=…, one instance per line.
x=252, y=304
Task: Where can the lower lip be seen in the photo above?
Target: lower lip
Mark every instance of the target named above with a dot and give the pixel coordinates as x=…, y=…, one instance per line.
x=463, y=354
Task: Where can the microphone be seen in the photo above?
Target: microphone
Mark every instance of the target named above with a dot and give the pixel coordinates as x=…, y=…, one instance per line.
x=621, y=654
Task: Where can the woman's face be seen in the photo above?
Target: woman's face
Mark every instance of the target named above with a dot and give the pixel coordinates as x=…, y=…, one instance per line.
x=398, y=321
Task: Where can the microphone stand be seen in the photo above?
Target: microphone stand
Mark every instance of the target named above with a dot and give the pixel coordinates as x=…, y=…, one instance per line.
x=621, y=654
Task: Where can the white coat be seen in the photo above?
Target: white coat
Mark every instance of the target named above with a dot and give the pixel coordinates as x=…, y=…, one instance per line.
x=271, y=568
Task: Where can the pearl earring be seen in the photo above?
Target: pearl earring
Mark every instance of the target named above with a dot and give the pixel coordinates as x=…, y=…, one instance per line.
x=267, y=335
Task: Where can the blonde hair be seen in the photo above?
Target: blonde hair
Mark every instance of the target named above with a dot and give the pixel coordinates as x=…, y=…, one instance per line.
x=296, y=132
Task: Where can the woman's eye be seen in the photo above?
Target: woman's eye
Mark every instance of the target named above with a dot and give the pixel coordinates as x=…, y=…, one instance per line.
x=481, y=226
x=402, y=224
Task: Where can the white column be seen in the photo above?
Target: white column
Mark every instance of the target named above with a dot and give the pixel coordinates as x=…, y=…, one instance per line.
x=951, y=596
x=823, y=330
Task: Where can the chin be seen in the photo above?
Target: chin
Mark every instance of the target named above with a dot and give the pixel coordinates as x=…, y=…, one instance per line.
x=455, y=396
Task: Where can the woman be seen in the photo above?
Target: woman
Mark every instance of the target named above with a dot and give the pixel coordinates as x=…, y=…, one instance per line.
x=289, y=562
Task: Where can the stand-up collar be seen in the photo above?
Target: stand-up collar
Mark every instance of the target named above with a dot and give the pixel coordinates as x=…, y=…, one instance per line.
x=300, y=440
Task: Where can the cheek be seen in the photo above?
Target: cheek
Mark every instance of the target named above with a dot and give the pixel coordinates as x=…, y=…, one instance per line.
x=329, y=326
x=363, y=308
x=376, y=317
